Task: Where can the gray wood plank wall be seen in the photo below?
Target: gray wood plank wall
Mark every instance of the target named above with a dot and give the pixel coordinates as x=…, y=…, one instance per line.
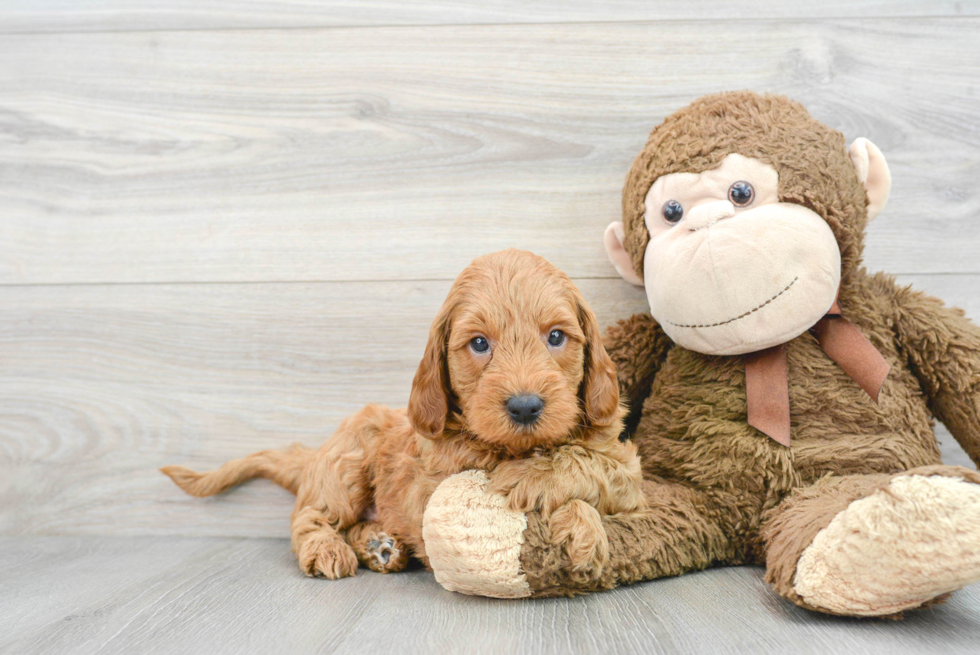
x=216, y=239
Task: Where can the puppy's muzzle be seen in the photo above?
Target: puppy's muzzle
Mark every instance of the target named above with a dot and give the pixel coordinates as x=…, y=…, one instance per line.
x=524, y=409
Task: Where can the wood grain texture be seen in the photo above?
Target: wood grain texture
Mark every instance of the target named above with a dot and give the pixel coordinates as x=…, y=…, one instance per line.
x=225, y=225
x=180, y=595
x=117, y=15
x=101, y=385
x=391, y=153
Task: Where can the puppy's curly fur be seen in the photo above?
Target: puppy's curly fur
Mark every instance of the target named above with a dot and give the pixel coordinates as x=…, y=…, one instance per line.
x=360, y=498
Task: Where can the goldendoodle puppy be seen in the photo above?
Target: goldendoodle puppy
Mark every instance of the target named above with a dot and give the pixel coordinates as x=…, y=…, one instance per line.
x=514, y=381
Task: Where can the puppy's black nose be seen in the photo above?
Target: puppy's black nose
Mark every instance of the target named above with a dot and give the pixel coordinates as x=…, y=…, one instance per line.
x=525, y=409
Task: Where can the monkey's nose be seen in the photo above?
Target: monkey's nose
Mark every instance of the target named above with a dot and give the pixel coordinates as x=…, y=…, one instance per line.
x=708, y=214
x=525, y=409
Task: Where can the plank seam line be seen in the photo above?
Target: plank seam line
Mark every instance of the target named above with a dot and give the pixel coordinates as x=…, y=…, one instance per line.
x=168, y=283
x=285, y=28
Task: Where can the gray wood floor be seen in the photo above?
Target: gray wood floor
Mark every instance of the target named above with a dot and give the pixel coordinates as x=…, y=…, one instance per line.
x=221, y=595
x=226, y=225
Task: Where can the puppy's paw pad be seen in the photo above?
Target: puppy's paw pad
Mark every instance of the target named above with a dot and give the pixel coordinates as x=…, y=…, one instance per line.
x=384, y=554
x=381, y=548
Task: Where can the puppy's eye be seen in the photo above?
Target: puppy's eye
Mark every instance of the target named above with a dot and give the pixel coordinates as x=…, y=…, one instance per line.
x=479, y=344
x=741, y=193
x=556, y=338
x=673, y=211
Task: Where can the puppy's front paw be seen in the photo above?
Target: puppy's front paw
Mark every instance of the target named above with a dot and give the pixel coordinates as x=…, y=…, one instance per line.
x=526, y=486
x=578, y=525
x=376, y=549
x=384, y=554
x=326, y=554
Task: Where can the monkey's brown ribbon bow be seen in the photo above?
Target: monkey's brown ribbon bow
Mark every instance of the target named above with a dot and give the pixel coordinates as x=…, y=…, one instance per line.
x=767, y=372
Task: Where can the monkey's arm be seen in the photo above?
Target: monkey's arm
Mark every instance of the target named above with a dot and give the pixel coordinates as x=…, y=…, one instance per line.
x=943, y=349
x=638, y=346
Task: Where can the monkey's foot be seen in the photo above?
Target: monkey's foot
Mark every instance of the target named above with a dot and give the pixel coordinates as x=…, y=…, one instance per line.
x=896, y=549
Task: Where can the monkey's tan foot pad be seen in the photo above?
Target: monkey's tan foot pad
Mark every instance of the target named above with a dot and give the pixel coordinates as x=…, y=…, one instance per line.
x=895, y=550
x=473, y=541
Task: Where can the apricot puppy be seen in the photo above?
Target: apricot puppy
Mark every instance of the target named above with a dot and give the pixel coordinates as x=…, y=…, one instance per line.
x=514, y=381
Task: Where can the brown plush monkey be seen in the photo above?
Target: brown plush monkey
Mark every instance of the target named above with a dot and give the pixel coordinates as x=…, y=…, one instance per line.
x=782, y=397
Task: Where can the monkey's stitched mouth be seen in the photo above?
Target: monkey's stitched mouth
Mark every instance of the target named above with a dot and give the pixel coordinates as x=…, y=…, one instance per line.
x=732, y=320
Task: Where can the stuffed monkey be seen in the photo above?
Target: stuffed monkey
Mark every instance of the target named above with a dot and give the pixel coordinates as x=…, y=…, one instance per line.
x=782, y=398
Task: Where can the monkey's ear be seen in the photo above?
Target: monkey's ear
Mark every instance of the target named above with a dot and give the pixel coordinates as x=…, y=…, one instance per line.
x=872, y=171
x=428, y=403
x=600, y=386
x=620, y=258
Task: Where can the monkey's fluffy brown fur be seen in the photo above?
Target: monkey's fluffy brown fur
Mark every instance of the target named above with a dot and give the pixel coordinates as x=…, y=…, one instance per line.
x=719, y=491
x=361, y=496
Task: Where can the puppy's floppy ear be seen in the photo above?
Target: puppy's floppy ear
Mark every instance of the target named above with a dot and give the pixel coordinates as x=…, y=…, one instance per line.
x=600, y=387
x=428, y=404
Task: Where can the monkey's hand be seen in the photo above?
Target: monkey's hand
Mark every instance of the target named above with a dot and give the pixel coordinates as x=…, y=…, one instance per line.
x=943, y=347
x=473, y=541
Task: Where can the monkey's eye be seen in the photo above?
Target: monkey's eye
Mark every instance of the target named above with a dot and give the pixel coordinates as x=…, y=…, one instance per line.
x=479, y=344
x=741, y=193
x=673, y=211
x=556, y=338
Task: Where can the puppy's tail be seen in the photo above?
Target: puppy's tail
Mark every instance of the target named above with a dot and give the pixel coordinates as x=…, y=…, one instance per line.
x=284, y=467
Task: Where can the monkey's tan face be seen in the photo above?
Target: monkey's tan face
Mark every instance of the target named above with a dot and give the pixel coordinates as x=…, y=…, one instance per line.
x=730, y=269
